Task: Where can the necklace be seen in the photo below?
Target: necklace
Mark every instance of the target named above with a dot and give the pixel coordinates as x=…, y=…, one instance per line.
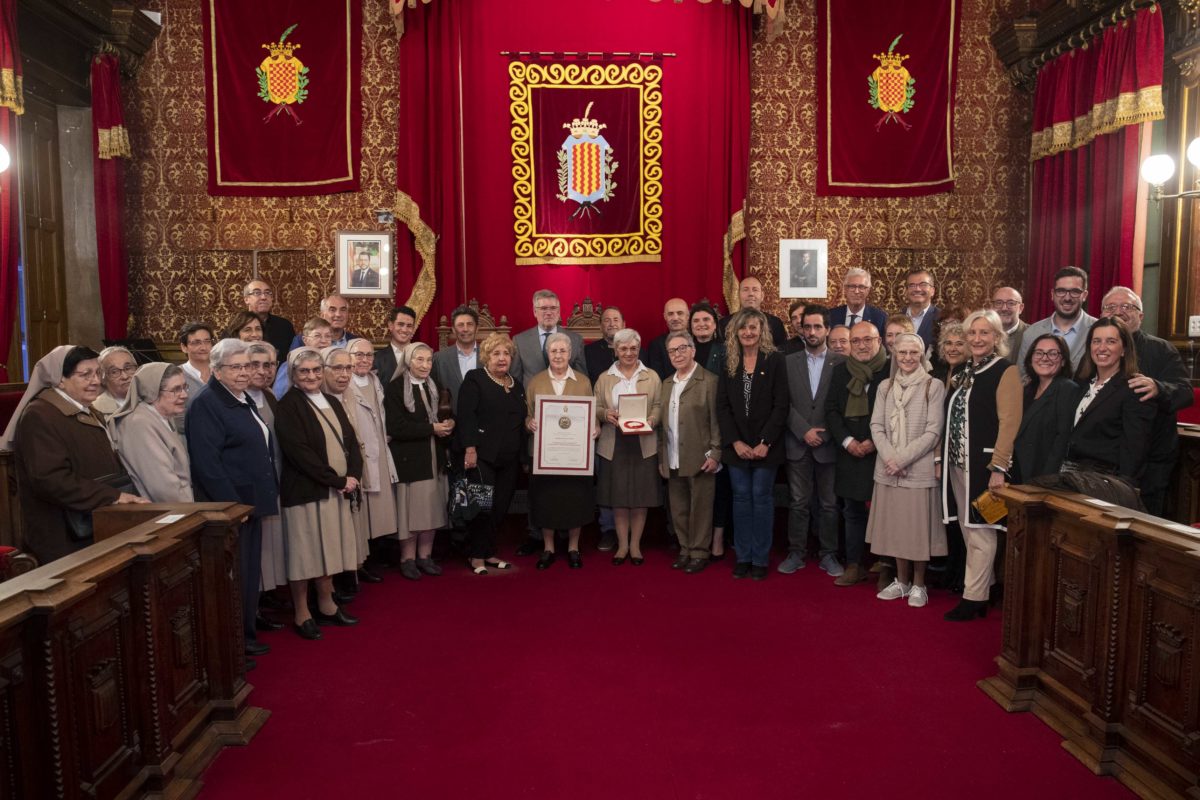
x=505, y=384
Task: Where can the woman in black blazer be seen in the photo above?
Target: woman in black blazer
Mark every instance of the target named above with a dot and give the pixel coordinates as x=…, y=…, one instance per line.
x=1112, y=426
x=322, y=464
x=752, y=409
x=1050, y=400
x=490, y=438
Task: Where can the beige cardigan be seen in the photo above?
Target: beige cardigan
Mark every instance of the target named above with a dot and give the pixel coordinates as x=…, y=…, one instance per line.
x=648, y=383
x=926, y=414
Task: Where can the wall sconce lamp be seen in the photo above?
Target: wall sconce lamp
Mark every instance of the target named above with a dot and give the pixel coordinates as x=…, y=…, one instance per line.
x=1158, y=169
x=5, y=159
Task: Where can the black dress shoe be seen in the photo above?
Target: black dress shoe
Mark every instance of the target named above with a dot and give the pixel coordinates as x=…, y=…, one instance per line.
x=696, y=565
x=366, y=576
x=618, y=560
x=529, y=547
x=257, y=649
x=966, y=610
x=680, y=561
x=637, y=561
x=741, y=569
x=546, y=559
x=758, y=573
x=271, y=601
x=339, y=617
x=341, y=598
x=308, y=629
x=574, y=559
x=263, y=624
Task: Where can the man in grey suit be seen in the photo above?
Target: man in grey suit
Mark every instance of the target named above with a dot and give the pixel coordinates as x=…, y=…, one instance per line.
x=1008, y=305
x=1068, y=321
x=452, y=363
x=810, y=452
x=531, y=344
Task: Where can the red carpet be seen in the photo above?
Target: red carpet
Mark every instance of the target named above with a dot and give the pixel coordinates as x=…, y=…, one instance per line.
x=641, y=682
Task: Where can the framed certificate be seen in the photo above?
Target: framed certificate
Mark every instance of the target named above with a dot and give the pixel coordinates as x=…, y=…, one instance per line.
x=633, y=411
x=563, y=442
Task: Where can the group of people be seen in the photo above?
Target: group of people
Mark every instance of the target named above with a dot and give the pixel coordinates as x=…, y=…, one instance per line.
x=891, y=427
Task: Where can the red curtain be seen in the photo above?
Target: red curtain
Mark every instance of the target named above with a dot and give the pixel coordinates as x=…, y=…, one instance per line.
x=12, y=103
x=456, y=163
x=110, y=140
x=1088, y=109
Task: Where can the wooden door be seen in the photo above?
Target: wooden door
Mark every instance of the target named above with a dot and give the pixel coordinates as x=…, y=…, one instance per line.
x=41, y=197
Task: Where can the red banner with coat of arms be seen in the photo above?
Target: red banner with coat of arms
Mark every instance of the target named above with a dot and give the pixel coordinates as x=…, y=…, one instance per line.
x=886, y=75
x=284, y=82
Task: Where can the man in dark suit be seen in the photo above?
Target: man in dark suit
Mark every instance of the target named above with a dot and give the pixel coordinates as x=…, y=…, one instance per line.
x=455, y=360
x=856, y=288
x=276, y=330
x=401, y=325
x=750, y=295
x=675, y=312
x=531, y=343
x=363, y=277
x=848, y=410
x=803, y=270
x=1161, y=381
x=1008, y=305
x=810, y=452
x=600, y=355
x=919, y=290
x=233, y=461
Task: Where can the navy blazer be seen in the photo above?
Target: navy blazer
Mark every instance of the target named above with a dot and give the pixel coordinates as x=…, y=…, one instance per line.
x=872, y=314
x=929, y=326
x=1046, y=424
x=231, y=459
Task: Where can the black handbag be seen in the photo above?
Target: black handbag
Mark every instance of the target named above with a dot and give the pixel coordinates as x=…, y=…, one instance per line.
x=79, y=523
x=469, y=498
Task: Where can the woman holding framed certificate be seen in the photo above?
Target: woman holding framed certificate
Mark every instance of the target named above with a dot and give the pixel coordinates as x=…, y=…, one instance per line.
x=627, y=406
x=557, y=501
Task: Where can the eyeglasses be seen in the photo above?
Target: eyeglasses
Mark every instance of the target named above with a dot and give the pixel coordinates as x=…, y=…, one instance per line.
x=178, y=390
x=309, y=370
x=921, y=285
x=260, y=293
x=678, y=351
x=362, y=355
x=87, y=375
x=1068, y=292
x=545, y=308
x=113, y=372
x=856, y=287
x=1122, y=307
x=200, y=343
x=236, y=367
x=263, y=364
x=864, y=340
x=997, y=304
x=1047, y=355
x=341, y=368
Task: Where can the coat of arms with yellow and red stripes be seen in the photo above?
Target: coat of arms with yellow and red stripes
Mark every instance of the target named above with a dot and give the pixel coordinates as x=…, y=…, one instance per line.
x=585, y=165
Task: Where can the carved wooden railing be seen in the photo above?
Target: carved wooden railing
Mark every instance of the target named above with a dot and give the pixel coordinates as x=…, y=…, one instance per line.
x=1101, y=636
x=121, y=666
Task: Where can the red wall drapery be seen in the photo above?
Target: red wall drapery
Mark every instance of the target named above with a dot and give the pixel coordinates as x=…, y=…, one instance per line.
x=108, y=177
x=455, y=159
x=1087, y=109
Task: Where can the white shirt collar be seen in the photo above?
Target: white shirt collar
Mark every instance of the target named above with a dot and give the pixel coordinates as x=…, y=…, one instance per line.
x=570, y=376
x=615, y=370
x=71, y=400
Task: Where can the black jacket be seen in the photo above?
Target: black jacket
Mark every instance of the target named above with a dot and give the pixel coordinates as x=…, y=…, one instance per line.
x=307, y=476
x=280, y=333
x=410, y=432
x=1045, y=429
x=599, y=356
x=1114, y=430
x=769, y=406
x=854, y=477
x=1158, y=359
x=490, y=419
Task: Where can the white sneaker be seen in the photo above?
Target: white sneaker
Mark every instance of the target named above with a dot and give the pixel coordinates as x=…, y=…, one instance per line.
x=895, y=590
x=918, y=597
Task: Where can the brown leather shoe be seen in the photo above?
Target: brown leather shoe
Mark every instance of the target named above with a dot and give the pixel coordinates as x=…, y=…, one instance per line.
x=853, y=575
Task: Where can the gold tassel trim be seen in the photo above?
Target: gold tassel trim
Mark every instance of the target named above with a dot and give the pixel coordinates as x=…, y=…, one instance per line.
x=425, y=287
x=1130, y=108
x=733, y=234
x=114, y=142
x=12, y=91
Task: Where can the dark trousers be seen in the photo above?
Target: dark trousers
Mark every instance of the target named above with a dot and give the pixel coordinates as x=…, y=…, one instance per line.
x=482, y=530
x=855, y=513
x=1156, y=479
x=250, y=562
x=805, y=475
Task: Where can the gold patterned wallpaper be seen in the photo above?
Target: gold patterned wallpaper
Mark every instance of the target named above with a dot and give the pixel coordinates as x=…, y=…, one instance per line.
x=973, y=238
x=191, y=253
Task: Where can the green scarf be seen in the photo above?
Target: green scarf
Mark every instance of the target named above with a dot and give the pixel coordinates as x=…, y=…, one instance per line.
x=859, y=405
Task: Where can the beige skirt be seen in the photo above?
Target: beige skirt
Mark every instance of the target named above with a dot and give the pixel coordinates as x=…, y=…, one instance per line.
x=422, y=505
x=320, y=538
x=906, y=523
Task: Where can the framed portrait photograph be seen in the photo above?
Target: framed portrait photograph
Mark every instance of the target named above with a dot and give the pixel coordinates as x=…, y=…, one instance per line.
x=364, y=264
x=803, y=268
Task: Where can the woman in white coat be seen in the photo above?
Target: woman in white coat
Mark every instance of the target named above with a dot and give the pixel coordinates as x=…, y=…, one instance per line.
x=144, y=435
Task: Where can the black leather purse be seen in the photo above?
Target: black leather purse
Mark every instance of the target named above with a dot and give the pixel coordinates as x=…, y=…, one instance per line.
x=79, y=523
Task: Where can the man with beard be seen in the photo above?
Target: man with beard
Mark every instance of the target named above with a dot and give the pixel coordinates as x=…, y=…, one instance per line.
x=1008, y=304
x=810, y=452
x=848, y=410
x=600, y=354
x=276, y=330
x=1069, y=320
x=675, y=312
x=1162, y=381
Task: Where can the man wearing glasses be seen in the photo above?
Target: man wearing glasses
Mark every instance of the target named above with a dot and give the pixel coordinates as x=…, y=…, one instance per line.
x=919, y=290
x=1007, y=303
x=1161, y=380
x=856, y=288
x=531, y=344
x=259, y=301
x=1069, y=320
x=196, y=340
